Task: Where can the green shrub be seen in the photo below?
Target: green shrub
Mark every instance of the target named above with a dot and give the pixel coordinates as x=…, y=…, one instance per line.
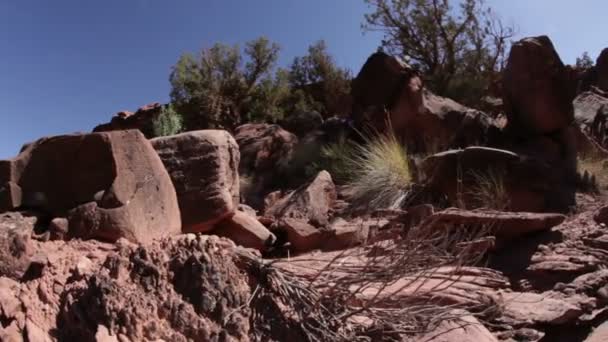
x=168, y=122
x=489, y=190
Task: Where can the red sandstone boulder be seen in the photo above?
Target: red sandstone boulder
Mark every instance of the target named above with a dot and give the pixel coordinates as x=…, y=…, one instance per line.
x=265, y=151
x=246, y=231
x=142, y=119
x=109, y=185
x=591, y=113
x=302, y=236
x=537, y=92
x=388, y=89
x=203, y=166
x=601, y=69
x=312, y=202
x=506, y=226
x=15, y=244
x=460, y=175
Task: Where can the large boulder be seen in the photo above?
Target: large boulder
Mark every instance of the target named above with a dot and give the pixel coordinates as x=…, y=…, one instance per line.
x=143, y=120
x=312, y=202
x=388, y=90
x=537, y=91
x=110, y=185
x=245, y=230
x=203, y=166
x=601, y=70
x=461, y=174
x=265, y=150
x=591, y=113
x=15, y=244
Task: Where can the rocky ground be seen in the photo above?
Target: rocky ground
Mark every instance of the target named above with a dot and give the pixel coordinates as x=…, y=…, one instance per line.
x=212, y=235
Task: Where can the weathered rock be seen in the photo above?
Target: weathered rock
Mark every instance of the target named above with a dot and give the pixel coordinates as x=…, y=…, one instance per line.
x=247, y=210
x=591, y=113
x=347, y=234
x=16, y=248
x=59, y=228
x=312, y=202
x=245, y=230
x=601, y=216
x=387, y=88
x=113, y=185
x=463, y=327
x=265, y=150
x=458, y=174
x=10, y=196
x=539, y=308
x=601, y=69
x=142, y=119
x=506, y=226
x=302, y=236
x=599, y=334
x=203, y=166
x=537, y=93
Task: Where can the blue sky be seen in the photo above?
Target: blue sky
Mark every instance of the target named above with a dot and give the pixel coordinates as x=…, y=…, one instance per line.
x=68, y=65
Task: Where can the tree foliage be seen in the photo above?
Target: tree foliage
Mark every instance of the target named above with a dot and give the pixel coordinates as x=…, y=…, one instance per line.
x=215, y=88
x=455, y=48
x=584, y=61
x=168, y=122
x=322, y=84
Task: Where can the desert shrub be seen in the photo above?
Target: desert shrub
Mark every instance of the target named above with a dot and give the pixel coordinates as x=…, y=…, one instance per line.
x=489, y=189
x=337, y=158
x=596, y=169
x=381, y=173
x=168, y=122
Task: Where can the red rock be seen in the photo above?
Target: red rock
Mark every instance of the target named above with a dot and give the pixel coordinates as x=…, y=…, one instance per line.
x=203, y=166
x=445, y=176
x=599, y=334
x=506, y=226
x=601, y=216
x=591, y=114
x=16, y=248
x=113, y=185
x=245, y=230
x=142, y=120
x=347, y=234
x=302, y=236
x=265, y=150
x=59, y=228
x=537, y=93
x=387, y=88
x=10, y=196
x=538, y=308
x=312, y=202
x=463, y=328
x=601, y=68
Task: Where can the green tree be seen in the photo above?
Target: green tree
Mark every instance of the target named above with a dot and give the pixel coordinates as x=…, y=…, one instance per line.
x=584, y=61
x=318, y=83
x=216, y=89
x=455, y=48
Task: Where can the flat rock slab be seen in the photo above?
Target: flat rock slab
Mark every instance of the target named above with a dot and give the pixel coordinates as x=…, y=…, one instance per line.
x=462, y=328
x=540, y=308
x=505, y=225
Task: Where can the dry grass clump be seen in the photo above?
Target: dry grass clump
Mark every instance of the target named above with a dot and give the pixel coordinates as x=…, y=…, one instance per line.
x=384, y=291
x=380, y=173
x=596, y=168
x=489, y=190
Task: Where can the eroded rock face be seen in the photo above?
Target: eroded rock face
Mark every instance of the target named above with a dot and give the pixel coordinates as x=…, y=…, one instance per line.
x=458, y=174
x=203, y=166
x=265, y=150
x=536, y=90
x=388, y=89
x=245, y=230
x=591, y=113
x=311, y=203
x=15, y=244
x=142, y=119
x=601, y=68
x=110, y=185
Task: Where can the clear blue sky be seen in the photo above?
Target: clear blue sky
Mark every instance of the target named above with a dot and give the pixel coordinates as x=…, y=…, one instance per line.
x=68, y=65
